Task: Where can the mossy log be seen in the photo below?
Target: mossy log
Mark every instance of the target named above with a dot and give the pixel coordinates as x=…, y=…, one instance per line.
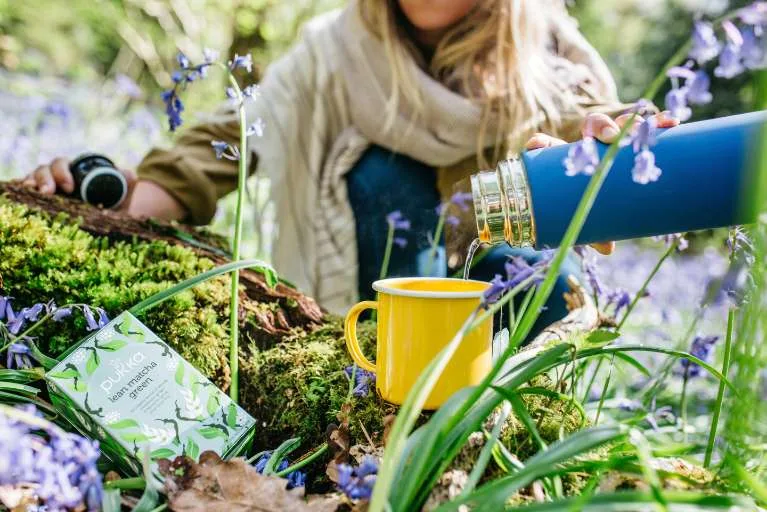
x=292, y=355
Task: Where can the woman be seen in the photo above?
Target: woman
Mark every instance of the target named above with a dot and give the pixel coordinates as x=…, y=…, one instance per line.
x=387, y=105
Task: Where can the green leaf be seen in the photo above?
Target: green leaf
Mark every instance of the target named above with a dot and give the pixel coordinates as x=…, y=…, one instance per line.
x=212, y=405
x=157, y=298
x=114, y=346
x=632, y=501
x=192, y=450
x=180, y=373
x=80, y=387
x=22, y=376
x=601, y=337
x=22, y=388
x=162, y=453
x=126, y=423
x=151, y=497
x=110, y=502
x=493, y=496
x=231, y=415
x=281, y=453
x=134, y=436
x=92, y=363
x=212, y=433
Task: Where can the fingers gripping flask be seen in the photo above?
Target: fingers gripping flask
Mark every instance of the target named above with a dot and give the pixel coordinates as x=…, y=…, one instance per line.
x=708, y=169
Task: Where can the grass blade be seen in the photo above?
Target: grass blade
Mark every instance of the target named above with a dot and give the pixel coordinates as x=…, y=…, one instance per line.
x=281, y=453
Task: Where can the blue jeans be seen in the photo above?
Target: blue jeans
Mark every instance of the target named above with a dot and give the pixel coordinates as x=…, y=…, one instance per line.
x=383, y=181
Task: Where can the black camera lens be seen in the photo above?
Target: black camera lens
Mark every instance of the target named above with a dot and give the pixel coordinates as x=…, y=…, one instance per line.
x=97, y=181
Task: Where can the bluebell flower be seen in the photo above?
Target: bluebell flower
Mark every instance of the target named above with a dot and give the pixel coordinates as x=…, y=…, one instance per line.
x=210, y=56
x=127, y=86
x=257, y=128
x=173, y=108
x=518, y=270
x=495, y=291
x=357, y=483
x=644, y=137
x=33, y=313
x=231, y=93
x=14, y=321
x=18, y=356
x=676, y=103
x=753, y=49
x=177, y=77
x=461, y=200
x=645, y=170
x=452, y=220
x=4, y=302
x=400, y=242
x=220, y=147
x=754, y=14
x=252, y=91
x=363, y=379
x=702, y=348
x=697, y=89
x=618, y=299
x=90, y=320
x=398, y=221
x=103, y=318
x=183, y=61
x=241, y=61
x=669, y=239
x=582, y=157
x=295, y=478
x=730, y=60
x=60, y=314
x=589, y=267
x=705, y=45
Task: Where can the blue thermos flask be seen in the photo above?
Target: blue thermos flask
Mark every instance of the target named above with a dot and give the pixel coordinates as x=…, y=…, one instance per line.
x=707, y=170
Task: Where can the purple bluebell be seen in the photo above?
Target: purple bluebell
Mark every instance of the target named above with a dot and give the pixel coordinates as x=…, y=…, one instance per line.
x=582, y=157
x=400, y=242
x=241, y=61
x=363, y=379
x=705, y=45
x=518, y=270
x=62, y=465
x=357, y=483
x=231, y=93
x=398, y=221
x=18, y=356
x=644, y=137
x=676, y=103
x=618, y=299
x=461, y=200
x=210, y=56
x=730, y=60
x=103, y=318
x=33, y=313
x=177, y=77
x=295, y=478
x=698, y=89
x=91, y=322
x=702, y=348
x=753, y=49
x=182, y=60
x=60, y=314
x=220, y=147
x=754, y=13
x=495, y=291
x=645, y=170
x=14, y=321
x=173, y=108
x=677, y=238
x=127, y=86
x=452, y=220
x=252, y=91
x=589, y=268
x=257, y=128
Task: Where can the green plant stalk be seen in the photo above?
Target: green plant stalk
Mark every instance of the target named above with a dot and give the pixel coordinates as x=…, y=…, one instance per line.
x=242, y=176
x=387, y=252
x=683, y=402
x=435, y=241
x=592, y=379
x=134, y=483
x=604, y=390
x=671, y=248
x=316, y=454
x=484, y=456
x=644, y=454
x=720, y=393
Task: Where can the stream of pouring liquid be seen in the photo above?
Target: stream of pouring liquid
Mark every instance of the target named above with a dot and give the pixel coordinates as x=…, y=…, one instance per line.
x=470, y=256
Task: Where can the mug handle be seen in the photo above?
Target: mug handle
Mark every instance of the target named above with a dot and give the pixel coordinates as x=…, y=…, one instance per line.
x=350, y=333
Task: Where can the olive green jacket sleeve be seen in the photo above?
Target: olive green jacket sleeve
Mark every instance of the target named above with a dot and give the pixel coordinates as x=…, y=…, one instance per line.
x=190, y=172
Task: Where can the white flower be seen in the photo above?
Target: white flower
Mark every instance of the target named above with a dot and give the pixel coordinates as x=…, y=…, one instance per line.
x=158, y=435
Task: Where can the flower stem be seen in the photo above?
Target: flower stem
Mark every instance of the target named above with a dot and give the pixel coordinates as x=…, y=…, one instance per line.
x=305, y=461
x=683, y=402
x=720, y=394
x=134, y=483
x=435, y=241
x=242, y=177
x=604, y=390
x=671, y=248
x=387, y=252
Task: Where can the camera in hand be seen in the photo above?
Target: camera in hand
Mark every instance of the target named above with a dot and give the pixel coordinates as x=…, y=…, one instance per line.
x=97, y=181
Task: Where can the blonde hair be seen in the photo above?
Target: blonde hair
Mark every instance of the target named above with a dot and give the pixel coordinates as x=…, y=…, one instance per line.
x=499, y=56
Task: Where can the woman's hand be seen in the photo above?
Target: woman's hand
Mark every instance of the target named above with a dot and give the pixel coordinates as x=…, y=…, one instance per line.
x=605, y=129
x=144, y=199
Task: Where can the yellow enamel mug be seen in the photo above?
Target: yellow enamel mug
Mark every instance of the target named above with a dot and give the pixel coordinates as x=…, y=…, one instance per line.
x=417, y=317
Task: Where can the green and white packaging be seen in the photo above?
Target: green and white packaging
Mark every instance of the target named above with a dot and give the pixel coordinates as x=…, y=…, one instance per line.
x=127, y=388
